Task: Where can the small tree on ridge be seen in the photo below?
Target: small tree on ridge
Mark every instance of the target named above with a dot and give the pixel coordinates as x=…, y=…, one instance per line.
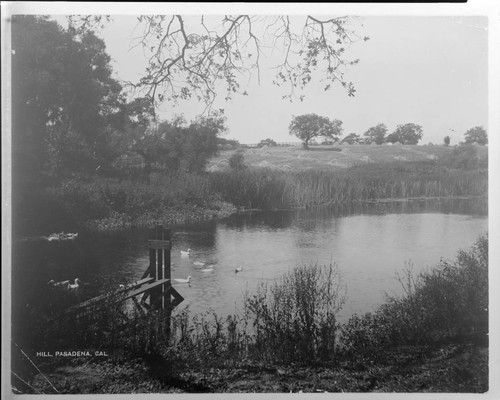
x=476, y=134
x=376, y=134
x=406, y=134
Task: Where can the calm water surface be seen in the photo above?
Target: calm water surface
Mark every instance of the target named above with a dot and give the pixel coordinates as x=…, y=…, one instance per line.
x=370, y=244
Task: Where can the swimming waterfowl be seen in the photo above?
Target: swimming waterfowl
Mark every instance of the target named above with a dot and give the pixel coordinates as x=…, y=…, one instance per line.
x=238, y=269
x=74, y=286
x=61, y=236
x=58, y=284
x=180, y=280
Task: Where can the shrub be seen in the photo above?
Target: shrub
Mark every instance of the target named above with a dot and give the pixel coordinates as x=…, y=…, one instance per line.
x=447, y=303
x=267, y=142
x=294, y=319
x=237, y=161
x=465, y=157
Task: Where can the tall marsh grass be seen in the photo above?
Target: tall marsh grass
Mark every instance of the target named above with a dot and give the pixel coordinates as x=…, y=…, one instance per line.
x=272, y=189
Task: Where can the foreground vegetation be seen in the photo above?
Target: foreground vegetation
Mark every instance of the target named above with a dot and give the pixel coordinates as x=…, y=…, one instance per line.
x=431, y=338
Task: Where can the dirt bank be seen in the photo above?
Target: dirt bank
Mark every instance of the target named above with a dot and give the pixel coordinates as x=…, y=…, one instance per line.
x=448, y=368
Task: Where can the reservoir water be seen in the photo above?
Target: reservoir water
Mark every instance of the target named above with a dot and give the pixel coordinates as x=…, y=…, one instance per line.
x=370, y=243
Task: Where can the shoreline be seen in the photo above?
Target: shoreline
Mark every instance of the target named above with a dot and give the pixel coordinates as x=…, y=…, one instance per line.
x=119, y=222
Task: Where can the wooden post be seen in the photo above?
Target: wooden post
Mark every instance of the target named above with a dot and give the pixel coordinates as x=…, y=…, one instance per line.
x=168, y=286
x=159, y=264
x=152, y=264
x=159, y=268
x=167, y=268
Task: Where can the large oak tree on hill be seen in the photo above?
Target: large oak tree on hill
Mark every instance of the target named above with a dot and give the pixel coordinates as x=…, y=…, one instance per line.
x=310, y=126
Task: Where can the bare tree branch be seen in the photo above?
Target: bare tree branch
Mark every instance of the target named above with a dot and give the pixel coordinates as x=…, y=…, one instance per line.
x=192, y=56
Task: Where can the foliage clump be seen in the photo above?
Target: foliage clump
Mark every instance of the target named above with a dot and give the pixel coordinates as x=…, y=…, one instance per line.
x=449, y=303
x=237, y=161
x=465, y=157
x=406, y=134
x=476, y=135
x=294, y=319
x=309, y=126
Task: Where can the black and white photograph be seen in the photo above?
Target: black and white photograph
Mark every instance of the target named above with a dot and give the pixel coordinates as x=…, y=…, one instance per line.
x=224, y=198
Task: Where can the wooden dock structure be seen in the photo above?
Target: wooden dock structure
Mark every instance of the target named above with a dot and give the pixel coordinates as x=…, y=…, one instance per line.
x=153, y=291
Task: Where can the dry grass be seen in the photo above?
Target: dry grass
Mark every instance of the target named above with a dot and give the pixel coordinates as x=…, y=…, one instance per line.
x=328, y=157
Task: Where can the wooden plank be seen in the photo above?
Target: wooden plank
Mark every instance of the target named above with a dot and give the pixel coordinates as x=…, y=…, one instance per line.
x=143, y=289
x=178, y=299
x=146, y=273
x=140, y=282
x=103, y=297
x=159, y=244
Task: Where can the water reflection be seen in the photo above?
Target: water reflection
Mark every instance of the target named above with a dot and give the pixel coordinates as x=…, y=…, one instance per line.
x=320, y=218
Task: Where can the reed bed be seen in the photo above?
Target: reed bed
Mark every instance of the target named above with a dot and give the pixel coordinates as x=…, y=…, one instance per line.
x=270, y=189
x=112, y=203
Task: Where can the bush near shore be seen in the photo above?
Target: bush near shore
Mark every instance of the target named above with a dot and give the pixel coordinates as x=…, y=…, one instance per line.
x=432, y=338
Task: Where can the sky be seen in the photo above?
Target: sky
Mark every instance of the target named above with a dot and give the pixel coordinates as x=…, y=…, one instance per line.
x=432, y=71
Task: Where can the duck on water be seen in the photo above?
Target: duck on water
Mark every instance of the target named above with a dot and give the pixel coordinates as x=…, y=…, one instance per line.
x=65, y=284
x=180, y=280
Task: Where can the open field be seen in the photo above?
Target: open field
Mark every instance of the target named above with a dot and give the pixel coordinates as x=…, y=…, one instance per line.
x=333, y=157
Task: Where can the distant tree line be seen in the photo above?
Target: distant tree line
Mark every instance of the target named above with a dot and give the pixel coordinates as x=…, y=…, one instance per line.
x=308, y=127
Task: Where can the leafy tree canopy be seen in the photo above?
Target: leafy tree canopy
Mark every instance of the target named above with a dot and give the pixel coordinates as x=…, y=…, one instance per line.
x=176, y=145
x=267, y=142
x=376, y=134
x=477, y=134
x=352, y=138
x=406, y=134
x=66, y=105
x=309, y=126
x=237, y=161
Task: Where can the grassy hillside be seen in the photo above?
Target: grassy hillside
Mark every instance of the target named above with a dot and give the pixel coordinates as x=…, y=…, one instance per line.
x=333, y=157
